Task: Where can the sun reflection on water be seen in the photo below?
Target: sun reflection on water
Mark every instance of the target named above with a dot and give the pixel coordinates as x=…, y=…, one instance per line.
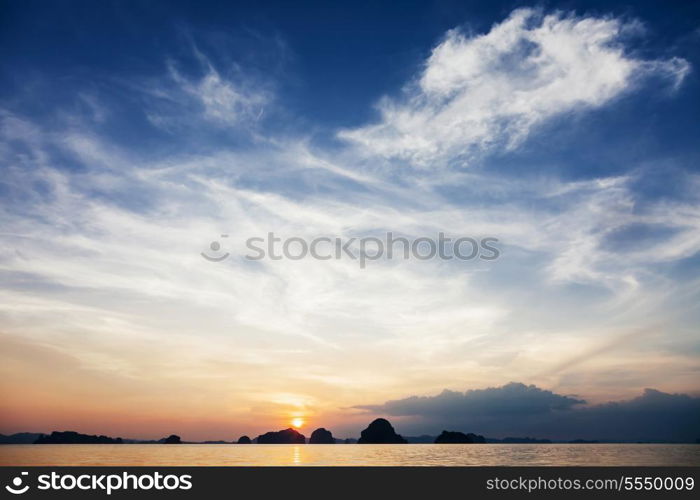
x=296, y=455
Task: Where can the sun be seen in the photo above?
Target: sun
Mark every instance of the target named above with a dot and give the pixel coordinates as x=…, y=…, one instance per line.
x=297, y=422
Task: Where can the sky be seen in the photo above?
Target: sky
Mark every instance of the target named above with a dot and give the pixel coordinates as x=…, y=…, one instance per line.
x=135, y=134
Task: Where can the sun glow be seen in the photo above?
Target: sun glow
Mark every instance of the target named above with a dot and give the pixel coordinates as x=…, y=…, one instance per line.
x=297, y=422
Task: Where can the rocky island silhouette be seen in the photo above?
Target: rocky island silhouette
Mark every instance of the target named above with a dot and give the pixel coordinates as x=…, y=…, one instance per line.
x=321, y=436
x=380, y=431
x=286, y=436
x=70, y=437
x=172, y=439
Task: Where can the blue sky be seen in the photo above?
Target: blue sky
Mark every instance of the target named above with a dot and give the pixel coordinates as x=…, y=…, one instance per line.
x=135, y=133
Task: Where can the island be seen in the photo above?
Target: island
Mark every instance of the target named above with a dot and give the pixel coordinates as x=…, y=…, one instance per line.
x=380, y=431
x=286, y=436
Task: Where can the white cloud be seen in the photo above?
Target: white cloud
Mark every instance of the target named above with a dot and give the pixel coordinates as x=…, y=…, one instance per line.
x=477, y=93
x=125, y=270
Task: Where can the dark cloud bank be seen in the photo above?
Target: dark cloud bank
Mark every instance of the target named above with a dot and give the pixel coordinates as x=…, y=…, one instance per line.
x=521, y=410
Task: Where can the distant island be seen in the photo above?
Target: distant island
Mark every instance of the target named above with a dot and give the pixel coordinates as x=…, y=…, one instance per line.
x=521, y=440
x=379, y=431
x=70, y=437
x=172, y=439
x=452, y=437
x=21, y=438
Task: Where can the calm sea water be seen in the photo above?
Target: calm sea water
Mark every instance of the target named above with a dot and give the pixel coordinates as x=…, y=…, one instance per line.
x=351, y=454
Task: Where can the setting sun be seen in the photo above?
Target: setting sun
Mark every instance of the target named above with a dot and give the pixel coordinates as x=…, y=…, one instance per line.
x=297, y=422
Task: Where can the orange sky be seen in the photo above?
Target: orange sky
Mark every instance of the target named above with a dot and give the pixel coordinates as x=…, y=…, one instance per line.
x=44, y=388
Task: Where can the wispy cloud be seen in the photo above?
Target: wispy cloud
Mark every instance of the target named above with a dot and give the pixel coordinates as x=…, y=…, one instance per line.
x=101, y=241
x=478, y=93
x=186, y=100
x=222, y=100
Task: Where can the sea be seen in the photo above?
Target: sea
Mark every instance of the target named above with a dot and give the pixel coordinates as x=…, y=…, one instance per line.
x=350, y=455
